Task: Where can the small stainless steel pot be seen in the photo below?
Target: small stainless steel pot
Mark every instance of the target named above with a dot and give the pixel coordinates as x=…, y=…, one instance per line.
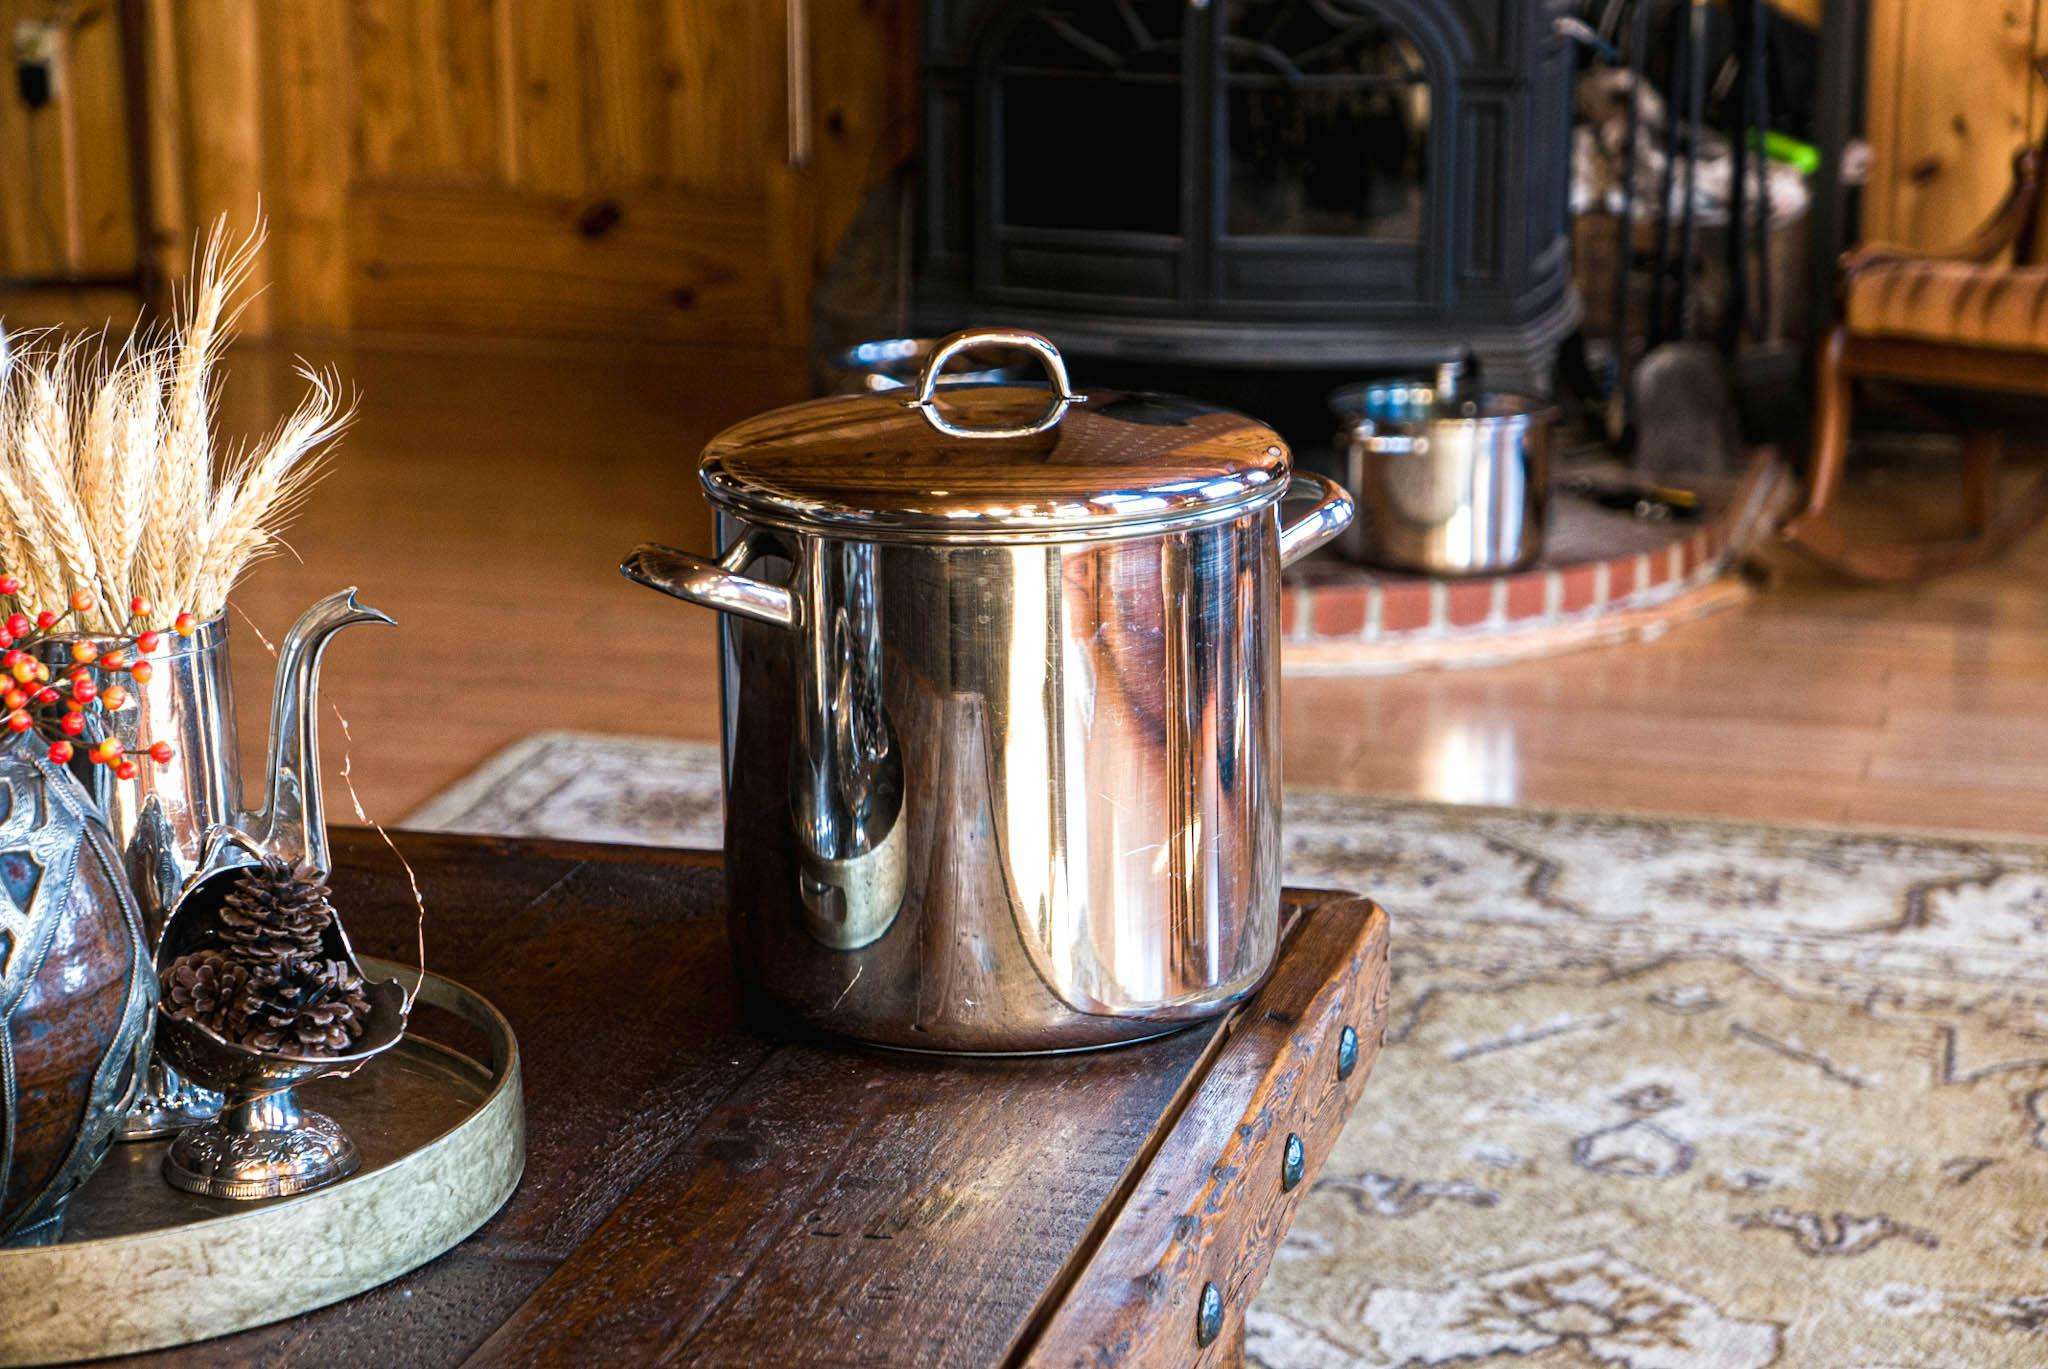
x=1000, y=679
x=1445, y=484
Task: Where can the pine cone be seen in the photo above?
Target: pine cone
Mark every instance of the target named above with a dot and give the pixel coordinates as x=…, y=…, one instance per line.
x=206, y=988
x=304, y=1006
x=276, y=912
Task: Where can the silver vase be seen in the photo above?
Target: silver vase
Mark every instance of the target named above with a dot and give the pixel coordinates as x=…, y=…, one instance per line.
x=167, y=818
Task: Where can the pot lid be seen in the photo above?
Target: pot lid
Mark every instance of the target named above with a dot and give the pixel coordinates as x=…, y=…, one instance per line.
x=971, y=462
x=1411, y=405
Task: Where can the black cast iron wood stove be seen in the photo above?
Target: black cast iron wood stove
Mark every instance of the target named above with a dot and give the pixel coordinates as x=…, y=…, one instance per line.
x=1323, y=186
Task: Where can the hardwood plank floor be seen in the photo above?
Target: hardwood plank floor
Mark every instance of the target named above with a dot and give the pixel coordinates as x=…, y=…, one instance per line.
x=484, y=500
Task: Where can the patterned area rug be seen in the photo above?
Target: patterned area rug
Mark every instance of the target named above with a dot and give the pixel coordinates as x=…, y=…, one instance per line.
x=1656, y=1095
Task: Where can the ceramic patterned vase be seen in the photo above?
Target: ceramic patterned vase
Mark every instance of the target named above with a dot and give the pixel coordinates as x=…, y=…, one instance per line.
x=77, y=993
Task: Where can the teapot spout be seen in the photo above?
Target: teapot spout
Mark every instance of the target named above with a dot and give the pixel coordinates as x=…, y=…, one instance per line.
x=292, y=823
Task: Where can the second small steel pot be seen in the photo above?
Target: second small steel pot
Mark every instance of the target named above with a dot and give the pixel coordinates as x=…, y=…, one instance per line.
x=1445, y=484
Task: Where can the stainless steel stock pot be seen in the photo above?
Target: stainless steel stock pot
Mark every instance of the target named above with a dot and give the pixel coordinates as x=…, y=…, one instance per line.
x=1000, y=685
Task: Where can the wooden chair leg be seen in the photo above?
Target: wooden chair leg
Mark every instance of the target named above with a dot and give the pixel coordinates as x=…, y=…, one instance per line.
x=1995, y=523
x=2007, y=524
x=1981, y=449
x=1831, y=412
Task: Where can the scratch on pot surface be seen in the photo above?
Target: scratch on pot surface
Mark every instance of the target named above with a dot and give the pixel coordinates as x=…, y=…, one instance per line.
x=847, y=990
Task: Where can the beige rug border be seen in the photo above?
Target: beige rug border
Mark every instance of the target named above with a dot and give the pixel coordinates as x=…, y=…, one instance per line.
x=458, y=797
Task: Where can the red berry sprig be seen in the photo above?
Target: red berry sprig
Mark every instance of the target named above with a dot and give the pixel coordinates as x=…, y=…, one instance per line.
x=32, y=698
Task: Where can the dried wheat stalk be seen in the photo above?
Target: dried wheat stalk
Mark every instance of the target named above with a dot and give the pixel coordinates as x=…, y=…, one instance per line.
x=109, y=479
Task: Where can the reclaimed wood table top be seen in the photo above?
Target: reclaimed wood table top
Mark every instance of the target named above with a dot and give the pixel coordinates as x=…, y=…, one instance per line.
x=705, y=1189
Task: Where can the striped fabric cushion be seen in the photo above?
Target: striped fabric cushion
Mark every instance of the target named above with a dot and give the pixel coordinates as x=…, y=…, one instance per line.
x=1949, y=301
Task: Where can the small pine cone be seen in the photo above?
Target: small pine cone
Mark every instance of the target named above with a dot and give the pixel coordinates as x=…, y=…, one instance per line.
x=304, y=1007
x=275, y=911
x=206, y=988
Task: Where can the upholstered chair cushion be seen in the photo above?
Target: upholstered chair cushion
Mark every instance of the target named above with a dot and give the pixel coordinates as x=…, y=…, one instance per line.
x=1933, y=300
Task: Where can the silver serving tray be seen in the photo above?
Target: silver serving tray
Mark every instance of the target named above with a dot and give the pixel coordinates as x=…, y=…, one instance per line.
x=142, y=1266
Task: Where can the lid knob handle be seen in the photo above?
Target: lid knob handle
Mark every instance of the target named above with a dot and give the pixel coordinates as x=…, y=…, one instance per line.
x=1450, y=382
x=926, y=399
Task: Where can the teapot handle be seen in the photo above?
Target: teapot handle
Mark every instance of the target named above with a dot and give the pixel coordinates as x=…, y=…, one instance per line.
x=713, y=584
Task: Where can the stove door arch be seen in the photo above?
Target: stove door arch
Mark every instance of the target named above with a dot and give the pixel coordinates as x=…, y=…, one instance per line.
x=1328, y=158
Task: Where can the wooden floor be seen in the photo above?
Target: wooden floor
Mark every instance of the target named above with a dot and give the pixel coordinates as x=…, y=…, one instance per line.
x=485, y=499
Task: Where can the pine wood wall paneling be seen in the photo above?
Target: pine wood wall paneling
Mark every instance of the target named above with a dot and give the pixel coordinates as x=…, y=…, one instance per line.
x=309, y=110
x=222, y=76
x=864, y=111
x=667, y=269
x=172, y=207
x=1950, y=92
x=30, y=241
x=639, y=197
x=99, y=198
x=72, y=217
x=575, y=168
x=429, y=91
x=548, y=86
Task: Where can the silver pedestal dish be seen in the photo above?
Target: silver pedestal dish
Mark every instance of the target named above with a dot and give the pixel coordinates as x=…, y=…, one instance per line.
x=262, y=1144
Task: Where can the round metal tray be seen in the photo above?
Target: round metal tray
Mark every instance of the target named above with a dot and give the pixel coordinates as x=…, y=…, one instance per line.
x=142, y=1266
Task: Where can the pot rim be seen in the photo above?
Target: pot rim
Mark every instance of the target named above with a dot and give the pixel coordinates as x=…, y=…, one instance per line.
x=861, y=525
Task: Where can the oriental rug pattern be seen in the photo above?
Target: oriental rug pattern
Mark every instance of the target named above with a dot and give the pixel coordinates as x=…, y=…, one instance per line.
x=1657, y=1094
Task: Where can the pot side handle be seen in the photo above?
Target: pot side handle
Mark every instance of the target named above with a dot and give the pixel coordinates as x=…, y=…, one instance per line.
x=713, y=584
x=1331, y=515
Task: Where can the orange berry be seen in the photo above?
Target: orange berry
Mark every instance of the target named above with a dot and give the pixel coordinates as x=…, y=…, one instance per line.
x=40, y=671
x=125, y=770
x=24, y=671
x=72, y=723
x=141, y=671
x=19, y=721
x=147, y=642
x=138, y=606
x=161, y=752
x=84, y=691
x=114, y=697
x=83, y=652
x=82, y=601
x=114, y=660
x=185, y=625
x=9, y=585
x=14, y=698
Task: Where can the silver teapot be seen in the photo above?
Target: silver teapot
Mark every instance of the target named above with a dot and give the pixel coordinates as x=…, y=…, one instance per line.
x=173, y=821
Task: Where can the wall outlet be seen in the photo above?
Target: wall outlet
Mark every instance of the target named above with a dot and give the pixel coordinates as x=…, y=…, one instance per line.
x=37, y=43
